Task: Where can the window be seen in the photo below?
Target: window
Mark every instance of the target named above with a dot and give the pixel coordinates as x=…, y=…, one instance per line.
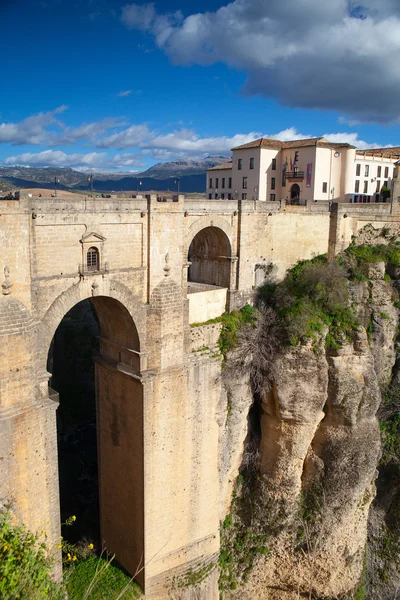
x=357, y=186
x=325, y=187
x=378, y=185
x=252, y=163
x=379, y=174
x=365, y=187
x=209, y=196
x=223, y=183
x=239, y=164
x=210, y=183
x=229, y=196
x=272, y=183
x=272, y=197
x=358, y=170
x=273, y=167
x=385, y=183
x=366, y=170
x=386, y=171
x=216, y=196
x=244, y=196
x=230, y=182
x=244, y=183
x=216, y=183
x=222, y=196
x=92, y=259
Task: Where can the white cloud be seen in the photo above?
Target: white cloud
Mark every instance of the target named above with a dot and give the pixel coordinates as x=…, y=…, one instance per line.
x=46, y=128
x=131, y=137
x=124, y=93
x=353, y=139
x=88, y=132
x=138, y=16
x=57, y=158
x=32, y=130
x=338, y=55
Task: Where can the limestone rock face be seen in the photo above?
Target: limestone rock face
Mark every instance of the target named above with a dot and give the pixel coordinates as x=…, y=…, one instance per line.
x=234, y=407
x=320, y=436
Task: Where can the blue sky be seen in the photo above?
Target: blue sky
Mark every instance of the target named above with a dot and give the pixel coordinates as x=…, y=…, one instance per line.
x=103, y=84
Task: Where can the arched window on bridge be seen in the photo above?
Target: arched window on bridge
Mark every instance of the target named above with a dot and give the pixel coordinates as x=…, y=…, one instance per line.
x=92, y=259
x=209, y=257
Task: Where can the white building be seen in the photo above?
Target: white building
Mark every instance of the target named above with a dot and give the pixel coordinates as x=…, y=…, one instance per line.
x=303, y=171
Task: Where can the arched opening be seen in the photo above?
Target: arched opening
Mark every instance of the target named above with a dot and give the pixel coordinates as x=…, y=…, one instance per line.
x=295, y=194
x=92, y=259
x=209, y=255
x=209, y=276
x=94, y=361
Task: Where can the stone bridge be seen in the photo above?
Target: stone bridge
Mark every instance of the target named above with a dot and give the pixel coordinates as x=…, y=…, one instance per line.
x=150, y=270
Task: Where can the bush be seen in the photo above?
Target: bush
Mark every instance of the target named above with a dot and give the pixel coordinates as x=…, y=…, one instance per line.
x=313, y=294
x=232, y=323
x=25, y=565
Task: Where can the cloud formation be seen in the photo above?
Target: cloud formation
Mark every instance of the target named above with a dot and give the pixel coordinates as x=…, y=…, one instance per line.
x=124, y=93
x=140, y=142
x=338, y=55
x=32, y=130
x=46, y=128
x=91, y=160
x=178, y=144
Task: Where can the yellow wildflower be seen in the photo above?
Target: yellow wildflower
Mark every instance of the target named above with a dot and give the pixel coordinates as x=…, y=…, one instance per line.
x=61, y=537
x=90, y=547
x=69, y=556
x=74, y=557
x=59, y=546
x=73, y=518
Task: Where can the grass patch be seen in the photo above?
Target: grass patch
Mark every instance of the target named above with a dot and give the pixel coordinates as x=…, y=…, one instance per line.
x=108, y=579
x=209, y=322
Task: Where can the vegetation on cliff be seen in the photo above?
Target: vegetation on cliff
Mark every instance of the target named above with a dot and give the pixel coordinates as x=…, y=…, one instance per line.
x=25, y=563
x=325, y=307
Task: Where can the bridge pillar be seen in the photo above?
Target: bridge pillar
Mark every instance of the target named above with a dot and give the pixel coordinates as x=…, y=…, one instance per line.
x=28, y=441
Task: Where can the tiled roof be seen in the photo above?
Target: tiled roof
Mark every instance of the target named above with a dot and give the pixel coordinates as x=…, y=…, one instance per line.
x=227, y=165
x=278, y=145
x=261, y=143
x=384, y=152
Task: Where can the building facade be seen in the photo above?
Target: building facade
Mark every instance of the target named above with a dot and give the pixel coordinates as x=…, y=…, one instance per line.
x=303, y=171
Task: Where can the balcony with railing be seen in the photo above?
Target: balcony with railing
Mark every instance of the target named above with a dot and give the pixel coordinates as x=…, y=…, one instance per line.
x=295, y=174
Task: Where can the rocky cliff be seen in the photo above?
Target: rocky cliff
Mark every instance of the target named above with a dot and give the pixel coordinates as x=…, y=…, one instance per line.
x=312, y=486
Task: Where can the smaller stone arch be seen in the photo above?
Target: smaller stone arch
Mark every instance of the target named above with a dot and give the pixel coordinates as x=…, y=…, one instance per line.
x=210, y=221
x=210, y=255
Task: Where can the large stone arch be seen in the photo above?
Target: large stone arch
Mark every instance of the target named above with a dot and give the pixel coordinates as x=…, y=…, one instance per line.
x=82, y=291
x=119, y=411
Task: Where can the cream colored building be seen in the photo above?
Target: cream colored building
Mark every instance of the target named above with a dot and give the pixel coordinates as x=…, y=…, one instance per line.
x=303, y=171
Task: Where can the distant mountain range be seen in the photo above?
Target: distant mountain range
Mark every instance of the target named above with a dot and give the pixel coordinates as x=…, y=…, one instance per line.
x=192, y=175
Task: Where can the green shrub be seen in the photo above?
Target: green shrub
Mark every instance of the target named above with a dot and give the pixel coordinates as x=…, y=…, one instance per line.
x=25, y=564
x=314, y=293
